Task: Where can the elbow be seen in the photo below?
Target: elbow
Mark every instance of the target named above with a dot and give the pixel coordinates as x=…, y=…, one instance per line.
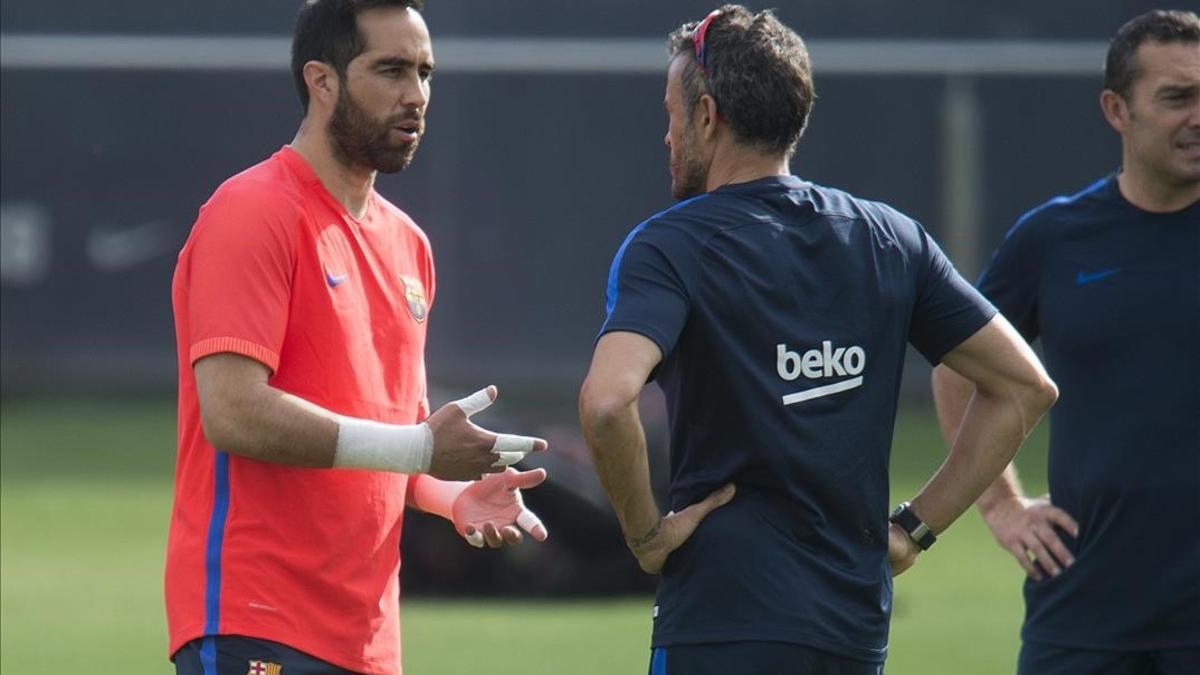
x=1045, y=393
x=1035, y=397
x=218, y=429
x=1030, y=396
x=600, y=406
x=224, y=424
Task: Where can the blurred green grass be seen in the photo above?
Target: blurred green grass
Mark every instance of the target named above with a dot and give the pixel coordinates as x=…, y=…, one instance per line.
x=85, y=490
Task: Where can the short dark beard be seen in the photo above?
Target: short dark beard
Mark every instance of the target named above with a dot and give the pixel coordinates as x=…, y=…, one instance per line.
x=693, y=175
x=361, y=141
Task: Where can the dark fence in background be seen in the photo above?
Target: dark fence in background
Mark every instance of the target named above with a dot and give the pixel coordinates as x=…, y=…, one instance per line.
x=928, y=19
x=526, y=183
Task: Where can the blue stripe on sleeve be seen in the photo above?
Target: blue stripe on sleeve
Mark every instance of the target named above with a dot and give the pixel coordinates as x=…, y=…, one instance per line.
x=614, y=271
x=212, y=549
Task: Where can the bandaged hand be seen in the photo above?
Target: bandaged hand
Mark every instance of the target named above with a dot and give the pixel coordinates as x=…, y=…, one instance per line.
x=464, y=451
x=490, y=510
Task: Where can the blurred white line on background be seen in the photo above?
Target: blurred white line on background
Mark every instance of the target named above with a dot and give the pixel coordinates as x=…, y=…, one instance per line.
x=550, y=55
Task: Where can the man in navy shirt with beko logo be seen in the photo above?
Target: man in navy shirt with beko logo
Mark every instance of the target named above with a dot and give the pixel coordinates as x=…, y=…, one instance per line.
x=1109, y=281
x=774, y=313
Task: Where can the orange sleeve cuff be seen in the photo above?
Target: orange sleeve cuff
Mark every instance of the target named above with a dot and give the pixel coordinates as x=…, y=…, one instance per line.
x=216, y=345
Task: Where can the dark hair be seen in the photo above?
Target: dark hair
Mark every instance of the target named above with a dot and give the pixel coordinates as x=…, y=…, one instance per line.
x=327, y=31
x=1120, y=68
x=757, y=71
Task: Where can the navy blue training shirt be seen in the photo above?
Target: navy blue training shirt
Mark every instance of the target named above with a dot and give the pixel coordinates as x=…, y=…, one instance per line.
x=782, y=310
x=1113, y=292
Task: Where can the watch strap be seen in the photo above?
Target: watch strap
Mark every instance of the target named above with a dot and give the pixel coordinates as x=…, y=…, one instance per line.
x=917, y=530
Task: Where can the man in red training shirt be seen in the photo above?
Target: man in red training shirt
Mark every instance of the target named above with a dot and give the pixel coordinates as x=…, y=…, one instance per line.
x=300, y=304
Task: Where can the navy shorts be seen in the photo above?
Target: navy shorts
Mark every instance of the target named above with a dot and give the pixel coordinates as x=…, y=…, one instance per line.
x=754, y=658
x=237, y=655
x=1043, y=659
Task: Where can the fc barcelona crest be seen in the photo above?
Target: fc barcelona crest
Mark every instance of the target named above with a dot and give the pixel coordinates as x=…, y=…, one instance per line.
x=414, y=295
x=264, y=668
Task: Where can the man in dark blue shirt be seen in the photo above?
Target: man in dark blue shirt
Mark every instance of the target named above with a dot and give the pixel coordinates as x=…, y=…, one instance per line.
x=774, y=313
x=1109, y=280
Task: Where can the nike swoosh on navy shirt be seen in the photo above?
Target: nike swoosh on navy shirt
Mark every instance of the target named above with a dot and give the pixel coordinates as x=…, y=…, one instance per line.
x=1084, y=278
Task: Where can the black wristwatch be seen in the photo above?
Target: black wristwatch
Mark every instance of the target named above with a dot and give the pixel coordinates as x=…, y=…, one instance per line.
x=908, y=521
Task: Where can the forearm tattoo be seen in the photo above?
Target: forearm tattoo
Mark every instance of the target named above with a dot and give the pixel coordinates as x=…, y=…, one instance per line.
x=635, y=544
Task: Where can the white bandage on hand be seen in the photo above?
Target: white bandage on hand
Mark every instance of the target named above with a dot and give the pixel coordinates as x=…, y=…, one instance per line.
x=477, y=402
x=509, y=448
x=528, y=520
x=400, y=448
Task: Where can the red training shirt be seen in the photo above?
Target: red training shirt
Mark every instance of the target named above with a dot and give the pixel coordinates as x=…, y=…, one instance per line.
x=277, y=270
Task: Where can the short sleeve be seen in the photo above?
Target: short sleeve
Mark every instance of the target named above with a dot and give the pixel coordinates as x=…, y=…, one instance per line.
x=647, y=290
x=1011, y=279
x=238, y=274
x=948, y=309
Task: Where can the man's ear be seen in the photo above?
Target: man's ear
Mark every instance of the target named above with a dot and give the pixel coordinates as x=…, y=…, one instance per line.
x=322, y=82
x=706, y=110
x=1115, y=109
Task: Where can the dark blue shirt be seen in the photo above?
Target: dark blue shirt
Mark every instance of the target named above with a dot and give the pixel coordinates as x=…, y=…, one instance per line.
x=1113, y=292
x=782, y=310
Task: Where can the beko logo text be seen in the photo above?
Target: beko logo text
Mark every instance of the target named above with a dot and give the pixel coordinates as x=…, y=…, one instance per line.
x=828, y=361
x=816, y=363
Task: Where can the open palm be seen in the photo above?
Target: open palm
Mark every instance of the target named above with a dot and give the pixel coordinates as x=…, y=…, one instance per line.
x=490, y=510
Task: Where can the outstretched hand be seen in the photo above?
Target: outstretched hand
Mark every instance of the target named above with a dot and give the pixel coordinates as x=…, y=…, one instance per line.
x=672, y=530
x=490, y=510
x=464, y=451
x=1025, y=528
